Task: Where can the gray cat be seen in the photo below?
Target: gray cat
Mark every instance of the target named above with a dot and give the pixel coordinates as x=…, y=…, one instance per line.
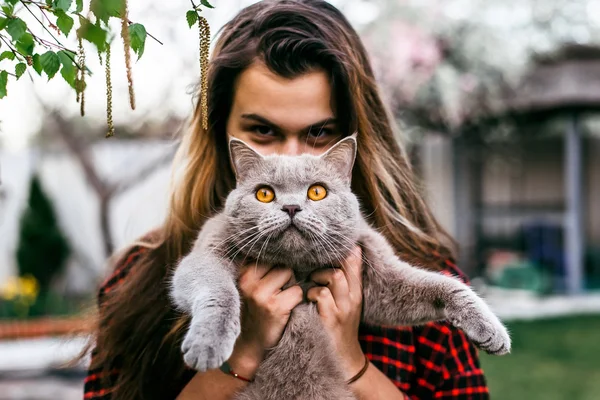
x=307, y=232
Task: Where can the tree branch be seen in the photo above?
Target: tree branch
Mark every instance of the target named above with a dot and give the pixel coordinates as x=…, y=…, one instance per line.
x=80, y=152
x=15, y=51
x=52, y=35
x=129, y=22
x=145, y=172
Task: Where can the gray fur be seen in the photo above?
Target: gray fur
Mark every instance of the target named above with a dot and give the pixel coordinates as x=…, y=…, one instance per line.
x=303, y=364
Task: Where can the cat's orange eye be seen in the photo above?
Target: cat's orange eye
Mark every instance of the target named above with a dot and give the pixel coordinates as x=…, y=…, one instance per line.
x=317, y=192
x=265, y=194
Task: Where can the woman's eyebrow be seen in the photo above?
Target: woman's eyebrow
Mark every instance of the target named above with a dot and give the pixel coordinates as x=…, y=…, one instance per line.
x=265, y=121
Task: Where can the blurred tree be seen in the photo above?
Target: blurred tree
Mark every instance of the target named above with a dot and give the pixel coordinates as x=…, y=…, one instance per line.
x=105, y=190
x=447, y=65
x=42, y=250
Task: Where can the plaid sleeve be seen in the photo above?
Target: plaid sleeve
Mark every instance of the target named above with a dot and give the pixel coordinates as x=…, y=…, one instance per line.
x=433, y=361
x=98, y=383
x=447, y=365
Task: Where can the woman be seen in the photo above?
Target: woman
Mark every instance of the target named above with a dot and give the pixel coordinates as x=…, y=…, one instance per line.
x=287, y=77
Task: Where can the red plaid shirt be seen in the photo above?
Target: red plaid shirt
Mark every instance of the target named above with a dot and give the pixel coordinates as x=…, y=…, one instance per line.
x=434, y=361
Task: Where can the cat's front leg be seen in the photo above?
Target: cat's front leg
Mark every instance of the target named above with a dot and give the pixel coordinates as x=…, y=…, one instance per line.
x=203, y=288
x=397, y=293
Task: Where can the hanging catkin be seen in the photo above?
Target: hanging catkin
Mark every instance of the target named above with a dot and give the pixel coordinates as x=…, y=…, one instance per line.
x=127, y=49
x=204, y=31
x=80, y=81
x=109, y=120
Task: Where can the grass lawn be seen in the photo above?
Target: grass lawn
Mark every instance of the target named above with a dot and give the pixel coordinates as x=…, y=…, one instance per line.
x=554, y=359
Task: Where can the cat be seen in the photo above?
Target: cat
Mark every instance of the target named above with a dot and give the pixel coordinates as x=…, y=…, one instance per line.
x=275, y=215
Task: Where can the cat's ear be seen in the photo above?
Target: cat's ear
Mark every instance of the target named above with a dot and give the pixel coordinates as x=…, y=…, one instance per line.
x=341, y=157
x=243, y=157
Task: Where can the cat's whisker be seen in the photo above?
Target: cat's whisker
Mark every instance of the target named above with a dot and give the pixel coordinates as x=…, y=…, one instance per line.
x=316, y=240
x=363, y=257
x=257, y=236
x=263, y=246
x=336, y=256
x=247, y=241
x=367, y=216
x=234, y=256
x=235, y=236
x=329, y=238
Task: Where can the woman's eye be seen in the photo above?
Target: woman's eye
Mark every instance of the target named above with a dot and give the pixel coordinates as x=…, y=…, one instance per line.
x=263, y=130
x=317, y=133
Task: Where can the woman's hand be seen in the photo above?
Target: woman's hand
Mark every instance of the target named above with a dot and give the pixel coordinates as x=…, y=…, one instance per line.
x=265, y=312
x=339, y=302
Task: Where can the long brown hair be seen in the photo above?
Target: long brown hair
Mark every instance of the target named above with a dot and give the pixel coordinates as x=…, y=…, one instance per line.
x=291, y=37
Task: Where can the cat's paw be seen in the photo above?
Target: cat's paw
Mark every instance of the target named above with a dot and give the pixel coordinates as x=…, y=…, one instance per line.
x=484, y=329
x=209, y=343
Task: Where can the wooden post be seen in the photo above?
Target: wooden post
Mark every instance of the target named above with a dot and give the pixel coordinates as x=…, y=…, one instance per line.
x=463, y=206
x=573, y=238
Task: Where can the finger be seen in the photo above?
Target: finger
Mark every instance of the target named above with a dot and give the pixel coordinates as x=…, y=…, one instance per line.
x=352, y=268
x=290, y=297
x=323, y=276
x=335, y=280
x=273, y=281
x=324, y=299
x=250, y=275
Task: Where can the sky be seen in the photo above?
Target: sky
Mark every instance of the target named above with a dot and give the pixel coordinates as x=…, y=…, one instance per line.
x=163, y=77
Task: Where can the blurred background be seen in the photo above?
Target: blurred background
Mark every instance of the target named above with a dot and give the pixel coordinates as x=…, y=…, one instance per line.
x=497, y=100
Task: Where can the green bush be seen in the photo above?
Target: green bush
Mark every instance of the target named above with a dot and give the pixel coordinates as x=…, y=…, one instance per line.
x=42, y=250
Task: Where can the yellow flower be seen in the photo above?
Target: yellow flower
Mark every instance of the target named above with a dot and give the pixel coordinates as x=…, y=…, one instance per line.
x=29, y=286
x=23, y=287
x=10, y=289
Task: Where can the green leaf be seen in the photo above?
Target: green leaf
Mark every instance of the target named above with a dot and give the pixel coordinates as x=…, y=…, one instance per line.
x=192, y=17
x=92, y=33
x=16, y=28
x=8, y=10
x=64, y=22
x=7, y=55
x=37, y=65
x=3, y=23
x=137, y=36
x=68, y=70
x=63, y=5
x=78, y=6
x=25, y=45
x=104, y=9
x=205, y=3
x=50, y=63
x=3, y=82
x=12, y=2
x=20, y=69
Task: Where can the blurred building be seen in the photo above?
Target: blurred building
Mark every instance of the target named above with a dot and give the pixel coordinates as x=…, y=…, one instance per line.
x=528, y=200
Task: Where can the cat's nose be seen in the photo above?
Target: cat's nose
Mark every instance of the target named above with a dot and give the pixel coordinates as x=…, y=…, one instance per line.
x=291, y=209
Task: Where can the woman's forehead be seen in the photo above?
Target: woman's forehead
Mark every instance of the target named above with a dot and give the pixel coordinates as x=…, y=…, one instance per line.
x=291, y=104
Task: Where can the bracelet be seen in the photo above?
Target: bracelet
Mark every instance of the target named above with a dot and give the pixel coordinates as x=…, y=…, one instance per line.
x=360, y=373
x=229, y=371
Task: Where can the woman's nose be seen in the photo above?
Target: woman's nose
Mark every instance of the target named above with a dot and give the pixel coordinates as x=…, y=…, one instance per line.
x=292, y=146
